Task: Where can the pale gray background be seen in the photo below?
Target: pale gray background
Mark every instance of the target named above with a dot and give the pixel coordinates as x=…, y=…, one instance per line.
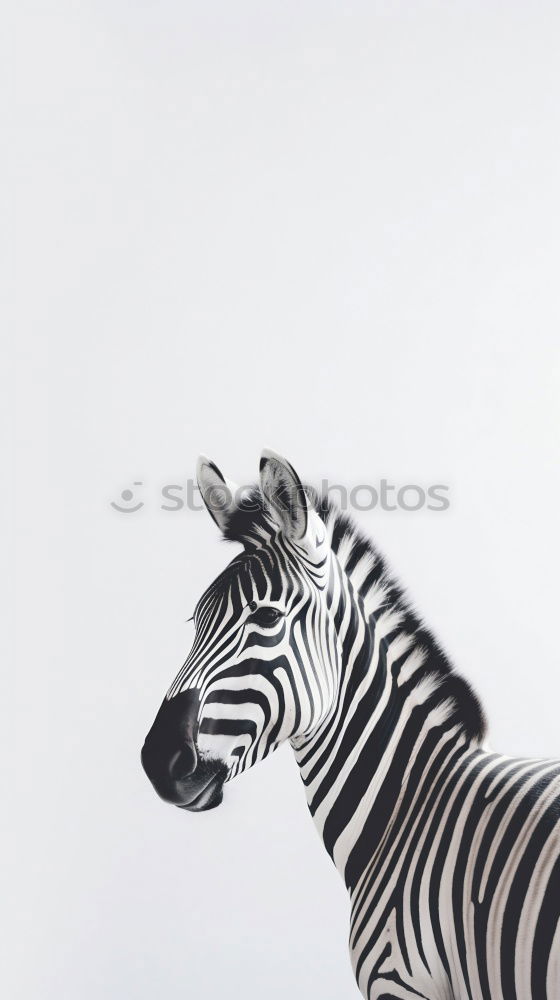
x=329, y=228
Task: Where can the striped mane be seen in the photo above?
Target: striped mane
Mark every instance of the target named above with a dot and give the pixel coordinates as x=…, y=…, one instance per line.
x=250, y=524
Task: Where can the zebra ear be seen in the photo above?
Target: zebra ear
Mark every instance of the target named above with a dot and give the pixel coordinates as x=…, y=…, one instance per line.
x=217, y=492
x=282, y=489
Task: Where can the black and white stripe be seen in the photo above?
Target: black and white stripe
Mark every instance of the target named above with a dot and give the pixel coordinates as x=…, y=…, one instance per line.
x=450, y=853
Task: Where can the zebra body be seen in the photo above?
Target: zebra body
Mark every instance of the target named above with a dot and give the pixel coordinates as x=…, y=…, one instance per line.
x=462, y=899
x=450, y=853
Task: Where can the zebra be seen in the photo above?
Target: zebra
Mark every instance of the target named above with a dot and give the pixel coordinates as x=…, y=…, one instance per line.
x=450, y=852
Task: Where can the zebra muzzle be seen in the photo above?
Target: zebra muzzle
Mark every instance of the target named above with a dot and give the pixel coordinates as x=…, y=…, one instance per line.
x=171, y=760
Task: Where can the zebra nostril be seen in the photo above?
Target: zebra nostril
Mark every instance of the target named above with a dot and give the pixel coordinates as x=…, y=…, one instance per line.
x=183, y=763
x=169, y=754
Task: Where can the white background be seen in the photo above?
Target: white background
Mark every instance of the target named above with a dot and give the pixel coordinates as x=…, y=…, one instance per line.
x=328, y=228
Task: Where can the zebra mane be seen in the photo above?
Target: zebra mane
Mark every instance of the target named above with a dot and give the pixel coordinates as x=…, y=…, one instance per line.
x=384, y=599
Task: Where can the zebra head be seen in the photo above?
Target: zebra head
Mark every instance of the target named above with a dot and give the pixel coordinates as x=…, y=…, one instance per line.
x=264, y=664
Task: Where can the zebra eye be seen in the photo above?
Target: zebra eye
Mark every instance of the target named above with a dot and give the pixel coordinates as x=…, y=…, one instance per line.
x=266, y=617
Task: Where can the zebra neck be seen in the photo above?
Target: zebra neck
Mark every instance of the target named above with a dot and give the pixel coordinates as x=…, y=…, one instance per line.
x=376, y=750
